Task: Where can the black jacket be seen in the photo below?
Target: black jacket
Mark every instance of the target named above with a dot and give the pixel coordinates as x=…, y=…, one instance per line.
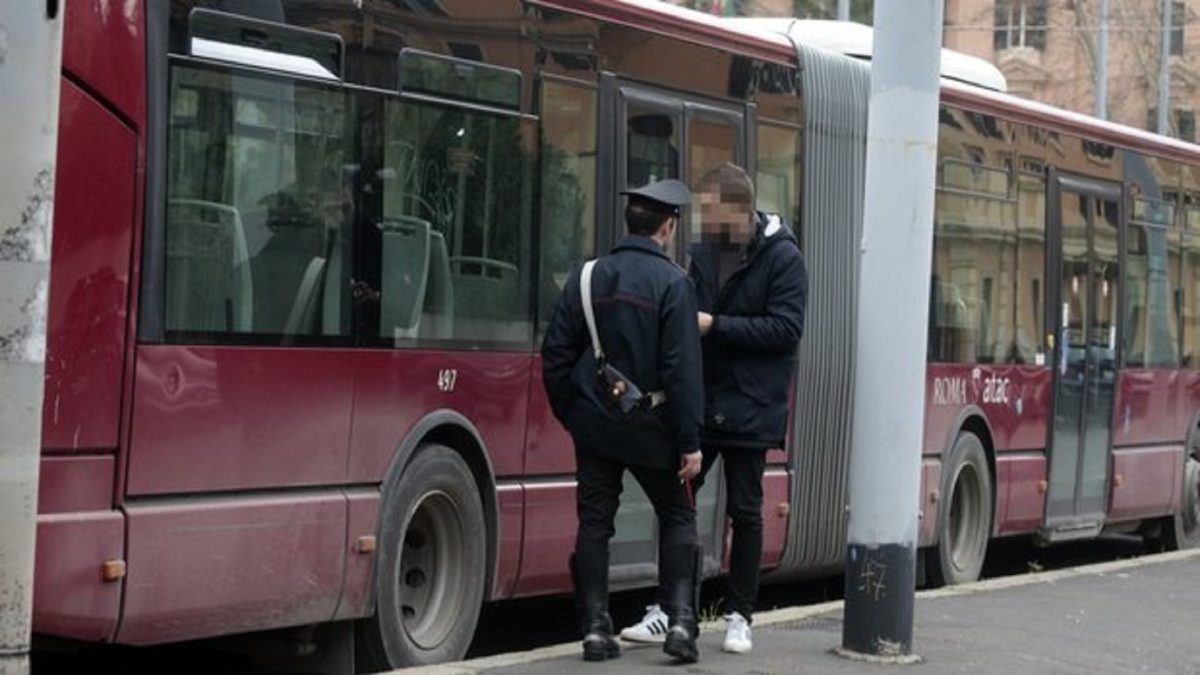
x=750, y=353
x=646, y=316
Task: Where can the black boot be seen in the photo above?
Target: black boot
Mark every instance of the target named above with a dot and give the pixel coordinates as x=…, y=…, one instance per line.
x=683, y=580
x=589, y=575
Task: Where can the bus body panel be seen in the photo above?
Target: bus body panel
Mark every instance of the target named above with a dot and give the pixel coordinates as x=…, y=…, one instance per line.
x=1152, y=406
x=93, y=222
x=510, y=502
x=549, y=540
x=1020, y=496
x=775, y=510
x=931, y=478
x=238, y=418
x=70, y=599
x=549, y=449
x=201, y=567
x=393, y=390
x=1015, y=400
x=105, y=48
x=75, y=483
x=1146, y=482
x=362, y=520
x=96, y=214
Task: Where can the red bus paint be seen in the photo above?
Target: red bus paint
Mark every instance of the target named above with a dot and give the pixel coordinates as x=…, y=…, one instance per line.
x=245, y=482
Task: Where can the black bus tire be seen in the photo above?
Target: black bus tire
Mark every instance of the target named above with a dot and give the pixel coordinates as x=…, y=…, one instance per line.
x=964, y=522
x=431, y=566
x=1182, y=531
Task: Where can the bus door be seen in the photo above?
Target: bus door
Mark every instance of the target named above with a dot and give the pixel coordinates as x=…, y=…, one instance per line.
x=1085, y=217
x=655, y=135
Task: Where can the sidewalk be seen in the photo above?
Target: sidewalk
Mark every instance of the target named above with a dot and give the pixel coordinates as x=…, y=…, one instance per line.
x=1130, y=616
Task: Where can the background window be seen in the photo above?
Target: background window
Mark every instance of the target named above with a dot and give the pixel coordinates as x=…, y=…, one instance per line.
x=568, y=192
x=1178, y=23
x=1020, y=23
x=259, y=210
x=454, y=239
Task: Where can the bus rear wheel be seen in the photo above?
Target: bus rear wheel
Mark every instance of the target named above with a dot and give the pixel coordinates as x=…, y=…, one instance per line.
x=431, y=566
x=1183, y=530
x=964, y=514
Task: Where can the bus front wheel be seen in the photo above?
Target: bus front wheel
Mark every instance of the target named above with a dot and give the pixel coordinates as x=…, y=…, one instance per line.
x=964, y=514
x=431, y=566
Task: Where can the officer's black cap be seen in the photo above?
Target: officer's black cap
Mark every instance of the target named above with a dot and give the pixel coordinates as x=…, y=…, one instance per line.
x=670, y=193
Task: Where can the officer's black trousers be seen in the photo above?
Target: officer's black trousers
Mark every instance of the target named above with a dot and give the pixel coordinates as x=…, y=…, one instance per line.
x=599, y=494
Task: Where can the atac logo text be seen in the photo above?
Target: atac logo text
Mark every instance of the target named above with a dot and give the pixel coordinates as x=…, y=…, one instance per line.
x=959, y=391
x=995, y=389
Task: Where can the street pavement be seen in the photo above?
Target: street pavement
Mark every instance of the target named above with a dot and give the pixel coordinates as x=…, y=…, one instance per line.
x=1130, y=616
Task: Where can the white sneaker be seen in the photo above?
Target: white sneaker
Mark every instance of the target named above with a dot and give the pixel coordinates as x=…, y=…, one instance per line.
x=652, y=627
x=737, y=634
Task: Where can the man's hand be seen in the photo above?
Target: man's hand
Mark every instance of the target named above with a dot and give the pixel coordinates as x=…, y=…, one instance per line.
x=706, y=322
x=689, y=465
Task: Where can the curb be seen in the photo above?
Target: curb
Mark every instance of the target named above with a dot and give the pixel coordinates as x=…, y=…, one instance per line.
x=793, y=614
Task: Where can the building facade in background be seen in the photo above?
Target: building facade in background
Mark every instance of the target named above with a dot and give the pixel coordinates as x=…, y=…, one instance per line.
x=1048, y=49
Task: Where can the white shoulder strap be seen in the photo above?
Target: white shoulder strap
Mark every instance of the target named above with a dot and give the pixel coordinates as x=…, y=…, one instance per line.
x=585, y=291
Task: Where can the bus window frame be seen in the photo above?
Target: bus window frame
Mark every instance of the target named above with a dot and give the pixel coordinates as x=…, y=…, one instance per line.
x=614, y=157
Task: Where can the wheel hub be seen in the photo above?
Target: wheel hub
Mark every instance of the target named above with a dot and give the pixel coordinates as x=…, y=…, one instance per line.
x=1191, y=496
x=429, y=581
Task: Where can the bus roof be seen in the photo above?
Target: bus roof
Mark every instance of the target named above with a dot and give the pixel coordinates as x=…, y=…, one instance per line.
x=857, y=40
x=768, y=39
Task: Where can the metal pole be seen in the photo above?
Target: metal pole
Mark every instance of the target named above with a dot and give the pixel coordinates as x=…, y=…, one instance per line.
x=30, y=50
x=896, y=248
x=1102, y=64
x=1164, y=71
x=843, y=10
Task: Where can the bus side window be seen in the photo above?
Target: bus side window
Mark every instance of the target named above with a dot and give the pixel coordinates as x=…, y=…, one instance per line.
x=258, y=210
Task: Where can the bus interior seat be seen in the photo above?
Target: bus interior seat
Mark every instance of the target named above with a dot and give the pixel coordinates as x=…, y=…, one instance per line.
x=279, y=267
x=437, y=320
x=406, y=253
x=302, y=319
x=209, y=284
x=485, y=288
x=334, y=287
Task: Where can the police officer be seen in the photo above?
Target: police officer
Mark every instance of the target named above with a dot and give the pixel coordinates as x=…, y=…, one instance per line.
x=752, y=288
x=631, y=396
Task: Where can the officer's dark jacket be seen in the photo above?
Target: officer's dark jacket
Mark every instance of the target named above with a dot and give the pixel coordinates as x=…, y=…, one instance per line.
x=750, y=352
x=646, y=316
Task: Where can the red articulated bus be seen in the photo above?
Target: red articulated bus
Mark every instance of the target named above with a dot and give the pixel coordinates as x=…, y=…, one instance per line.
x=304, y=251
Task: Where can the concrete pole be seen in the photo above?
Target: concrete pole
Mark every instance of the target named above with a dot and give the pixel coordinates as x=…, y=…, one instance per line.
x=1102, y=64
x=889, y=382
x=843, y=10
x=1164, y=72
x=30, y=57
